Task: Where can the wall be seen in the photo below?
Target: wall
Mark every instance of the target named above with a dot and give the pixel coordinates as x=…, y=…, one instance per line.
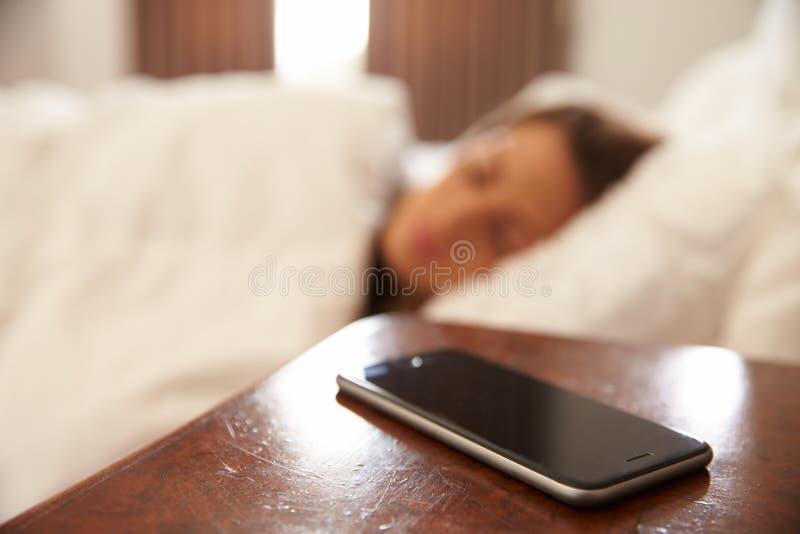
x=79, y=43
x=637, y=47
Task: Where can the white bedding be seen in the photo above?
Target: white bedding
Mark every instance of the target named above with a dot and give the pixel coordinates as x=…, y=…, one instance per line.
x=132, y=220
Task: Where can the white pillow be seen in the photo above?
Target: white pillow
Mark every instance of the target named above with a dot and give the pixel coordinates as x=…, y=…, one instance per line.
x=763, y=318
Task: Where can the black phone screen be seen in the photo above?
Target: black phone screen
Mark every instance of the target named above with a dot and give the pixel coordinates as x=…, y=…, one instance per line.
x=567, y=437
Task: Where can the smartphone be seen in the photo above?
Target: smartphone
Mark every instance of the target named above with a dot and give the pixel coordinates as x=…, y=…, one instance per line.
x=575, y=449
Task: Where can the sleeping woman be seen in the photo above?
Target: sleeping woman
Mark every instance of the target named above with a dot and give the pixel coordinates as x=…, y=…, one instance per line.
x=508, y=189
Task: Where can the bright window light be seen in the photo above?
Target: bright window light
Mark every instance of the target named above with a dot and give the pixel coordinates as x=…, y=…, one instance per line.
x=320, y=40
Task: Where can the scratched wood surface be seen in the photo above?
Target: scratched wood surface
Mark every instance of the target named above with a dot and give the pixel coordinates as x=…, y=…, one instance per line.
x=291, y=455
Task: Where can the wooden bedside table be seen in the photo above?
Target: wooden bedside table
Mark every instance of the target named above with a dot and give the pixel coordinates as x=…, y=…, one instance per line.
x=291, y=455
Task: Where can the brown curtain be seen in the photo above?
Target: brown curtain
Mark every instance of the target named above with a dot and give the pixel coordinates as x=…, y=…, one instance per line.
x=180, y=37
x=460, y=58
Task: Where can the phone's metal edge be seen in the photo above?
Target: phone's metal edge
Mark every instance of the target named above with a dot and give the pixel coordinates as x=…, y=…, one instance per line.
x=382, y=400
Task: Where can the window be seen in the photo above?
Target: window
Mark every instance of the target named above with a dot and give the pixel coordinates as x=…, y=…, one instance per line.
x=320, y=40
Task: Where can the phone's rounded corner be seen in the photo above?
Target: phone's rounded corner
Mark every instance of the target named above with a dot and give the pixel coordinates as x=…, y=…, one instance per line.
x=341, y=381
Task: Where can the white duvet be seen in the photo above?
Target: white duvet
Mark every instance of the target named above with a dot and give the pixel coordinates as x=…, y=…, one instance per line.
x=138, y=228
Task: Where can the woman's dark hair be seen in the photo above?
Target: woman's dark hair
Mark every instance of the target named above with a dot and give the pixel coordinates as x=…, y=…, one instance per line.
x=604, y=149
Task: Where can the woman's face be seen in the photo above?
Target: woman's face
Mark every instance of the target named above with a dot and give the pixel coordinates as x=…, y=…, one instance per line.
x=504, y=193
